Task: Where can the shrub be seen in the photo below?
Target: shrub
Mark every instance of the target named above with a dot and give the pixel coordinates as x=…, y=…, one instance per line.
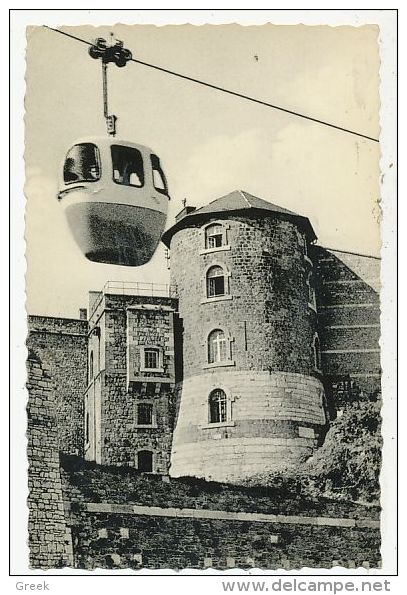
x=348, y=464
x=346, y=467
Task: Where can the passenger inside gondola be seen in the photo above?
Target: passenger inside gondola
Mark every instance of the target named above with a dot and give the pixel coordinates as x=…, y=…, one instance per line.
x=82, y=164
x=69, y=171
x=127, y=166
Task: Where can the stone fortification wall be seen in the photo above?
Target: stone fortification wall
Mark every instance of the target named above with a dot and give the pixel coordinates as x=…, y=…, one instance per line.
x=121, y=519
x=49, y=539
x=120, y=536
x=61, y=344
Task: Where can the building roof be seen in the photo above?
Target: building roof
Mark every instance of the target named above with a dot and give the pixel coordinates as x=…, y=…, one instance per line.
x=238, y=200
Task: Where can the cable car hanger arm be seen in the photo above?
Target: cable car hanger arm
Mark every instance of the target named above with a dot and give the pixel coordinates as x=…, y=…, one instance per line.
x=116, y=54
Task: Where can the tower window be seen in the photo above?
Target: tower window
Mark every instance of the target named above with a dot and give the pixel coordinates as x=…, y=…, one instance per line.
x=217, y=347
x=214, y=236
x=145, y=461
x=317, y=353
x=305, y=244
x=145, y=414
x=311, y=291
x=217, y=406
x=215, y=282
x=151, y=358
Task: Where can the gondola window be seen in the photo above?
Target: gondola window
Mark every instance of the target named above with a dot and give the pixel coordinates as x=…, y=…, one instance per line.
x=159, y=181
x=82, y=164
x=127, y=166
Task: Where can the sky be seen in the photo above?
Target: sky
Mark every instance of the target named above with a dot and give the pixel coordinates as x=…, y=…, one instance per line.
x=209, y=143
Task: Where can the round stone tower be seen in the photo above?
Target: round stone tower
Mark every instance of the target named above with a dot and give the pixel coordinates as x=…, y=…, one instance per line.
x=252, y=399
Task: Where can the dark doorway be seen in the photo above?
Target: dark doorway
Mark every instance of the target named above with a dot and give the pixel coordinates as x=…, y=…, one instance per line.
x=145, y=461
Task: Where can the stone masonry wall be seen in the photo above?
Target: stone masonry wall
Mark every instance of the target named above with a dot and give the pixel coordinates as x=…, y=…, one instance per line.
x=49, y=539
x=275, y=421
x=267, y=314
x=122, y=438
x=348, y=304
x=151, y=328
x=127, y=325
x=269, y=321
x=107, y=536
x=96, y=377
x=61, y=344
x=120, y=519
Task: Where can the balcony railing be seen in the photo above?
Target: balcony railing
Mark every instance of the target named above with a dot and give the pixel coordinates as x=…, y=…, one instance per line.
x=133, y=288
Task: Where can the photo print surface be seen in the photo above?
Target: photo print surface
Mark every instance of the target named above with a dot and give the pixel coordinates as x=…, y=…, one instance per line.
x=203, y=297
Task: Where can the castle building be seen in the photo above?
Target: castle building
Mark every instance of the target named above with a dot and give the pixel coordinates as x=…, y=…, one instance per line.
x=232, y=370
x=252, y=397
x=131, y=376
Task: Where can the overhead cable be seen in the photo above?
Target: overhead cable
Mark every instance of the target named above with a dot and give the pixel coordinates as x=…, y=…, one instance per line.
x=229, y=92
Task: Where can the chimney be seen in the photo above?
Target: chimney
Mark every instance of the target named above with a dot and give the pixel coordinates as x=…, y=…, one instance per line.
x=83, y=314
x=185, y=211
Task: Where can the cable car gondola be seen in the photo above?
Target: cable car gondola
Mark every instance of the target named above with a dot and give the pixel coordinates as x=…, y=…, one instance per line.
x=114, y=192
x=115, y=197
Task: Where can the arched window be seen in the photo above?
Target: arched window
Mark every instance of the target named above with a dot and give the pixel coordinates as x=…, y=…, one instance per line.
x=145, y=461
x=217, y=406
x=214, y=236
x=91, y=370
x=317, y=353
x=217, y=347
x=215, y=282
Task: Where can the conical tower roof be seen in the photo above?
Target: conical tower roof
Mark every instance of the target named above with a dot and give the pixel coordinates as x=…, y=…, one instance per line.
x=238, y=200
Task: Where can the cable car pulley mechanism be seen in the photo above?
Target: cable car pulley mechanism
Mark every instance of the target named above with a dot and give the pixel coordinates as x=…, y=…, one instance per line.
x=115, y=54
